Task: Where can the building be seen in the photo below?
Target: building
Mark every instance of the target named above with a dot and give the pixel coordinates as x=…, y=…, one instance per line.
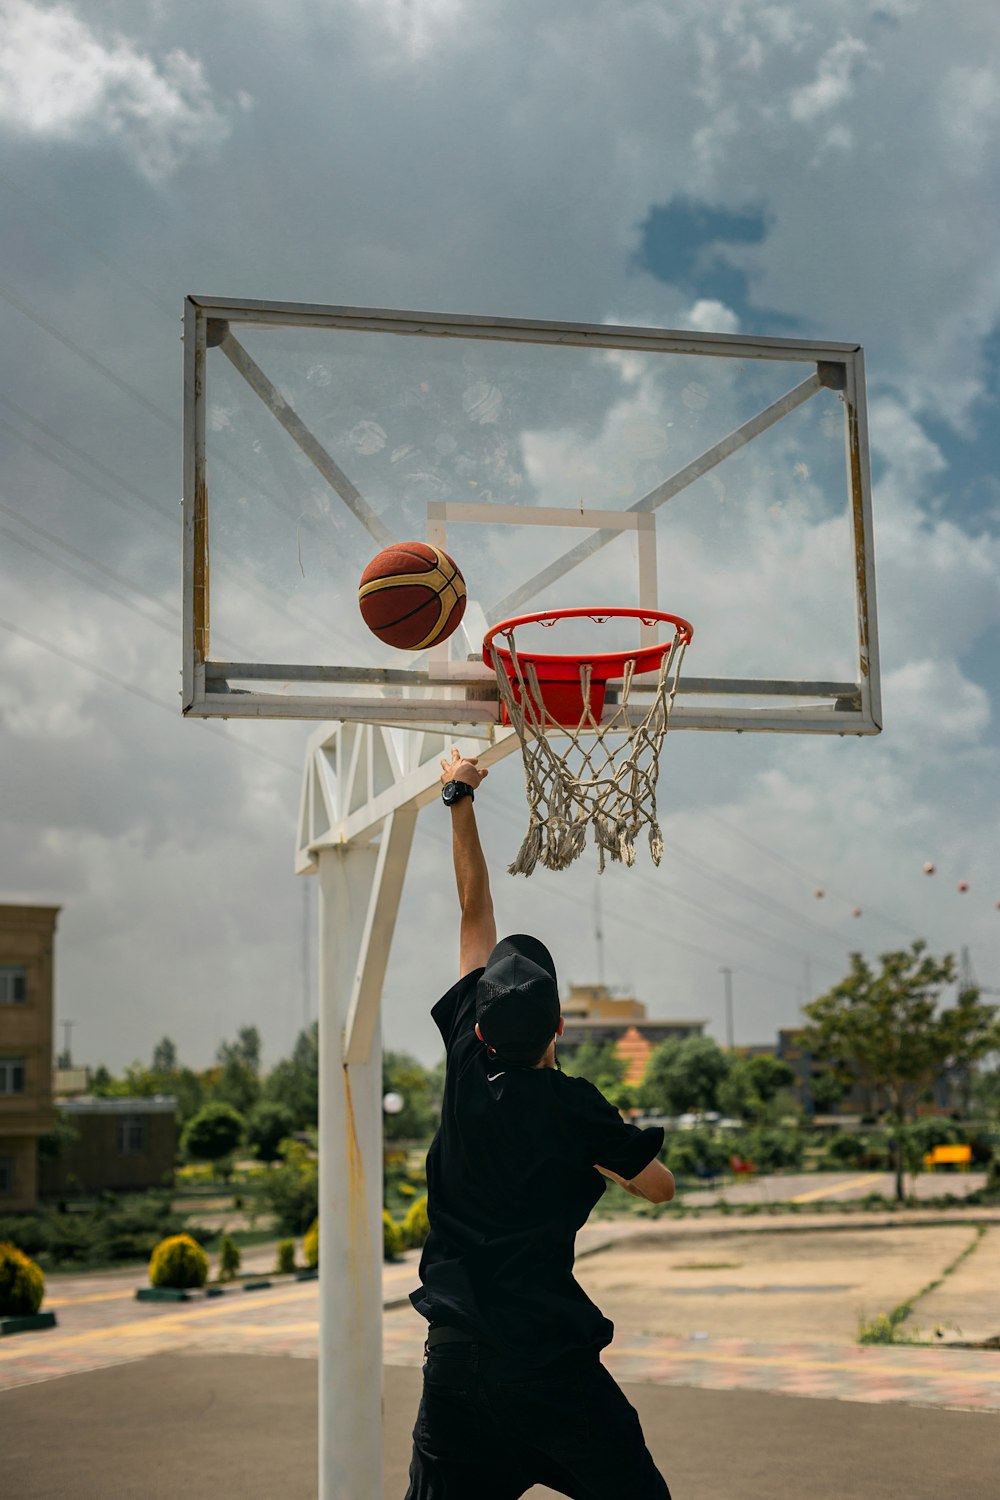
x=859, y=1101
x=592, y=1014
x=121, y=1146
x=27, y=941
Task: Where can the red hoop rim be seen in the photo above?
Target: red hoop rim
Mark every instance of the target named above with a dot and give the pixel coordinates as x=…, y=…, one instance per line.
x=605, y=664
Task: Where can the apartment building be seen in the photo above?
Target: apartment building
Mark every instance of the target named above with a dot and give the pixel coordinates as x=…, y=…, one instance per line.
x=27, y=941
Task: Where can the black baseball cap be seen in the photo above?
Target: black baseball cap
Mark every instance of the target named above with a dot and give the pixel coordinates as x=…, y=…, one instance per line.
x=517, y=999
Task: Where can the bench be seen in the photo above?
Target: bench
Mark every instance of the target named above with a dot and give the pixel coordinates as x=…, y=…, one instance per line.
x=947, y=1156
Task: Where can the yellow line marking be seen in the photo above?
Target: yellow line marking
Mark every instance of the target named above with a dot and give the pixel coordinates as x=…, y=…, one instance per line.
x=842, y=1187
x=165, y=1323
x=127, y=1293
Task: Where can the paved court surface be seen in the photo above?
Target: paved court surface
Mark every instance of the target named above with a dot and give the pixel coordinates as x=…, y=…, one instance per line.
x=209, y=1426
x=218, y=1398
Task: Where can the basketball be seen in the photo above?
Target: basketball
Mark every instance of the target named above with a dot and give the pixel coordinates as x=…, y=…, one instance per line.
x=412, y=595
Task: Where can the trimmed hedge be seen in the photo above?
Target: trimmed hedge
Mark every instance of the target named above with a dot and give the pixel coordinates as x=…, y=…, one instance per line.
x=393, y=1244
x=416, y=1225
x=229, y=1258
x=310, y=1245
x=286, y=1257
x=178, y=1262
x=22, y=1285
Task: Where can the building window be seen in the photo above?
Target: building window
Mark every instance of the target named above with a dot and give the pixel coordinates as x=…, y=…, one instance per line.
x=13, y=984
x=11, y=1075
x=6, y=1176
x=131, y=1136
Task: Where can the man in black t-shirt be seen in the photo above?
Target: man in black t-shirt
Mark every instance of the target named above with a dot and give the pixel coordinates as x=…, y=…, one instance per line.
x=514, y=1392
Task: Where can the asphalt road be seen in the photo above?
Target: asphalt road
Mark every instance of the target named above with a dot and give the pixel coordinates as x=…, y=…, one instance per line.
x=214, y=1426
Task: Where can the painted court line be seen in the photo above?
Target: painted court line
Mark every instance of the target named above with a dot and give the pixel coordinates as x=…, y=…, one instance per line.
x=842, y=1187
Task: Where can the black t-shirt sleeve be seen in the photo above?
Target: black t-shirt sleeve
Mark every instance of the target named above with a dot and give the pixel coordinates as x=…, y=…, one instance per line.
x=455, y=1013
x=602, y=1138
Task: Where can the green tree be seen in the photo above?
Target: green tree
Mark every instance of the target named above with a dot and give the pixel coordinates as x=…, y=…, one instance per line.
x=292, y=1191
x=245, y=1050
x=164, y=1056
x=267, y=1126
x=827, y=1091
x=214, y=1132
x=295, y=1080
x=684, y=1075
x=418, y=1119
x=238, y=1082
x=886, y=1030
x=598, y=1062
x=986, y=1092
x=751, y=1084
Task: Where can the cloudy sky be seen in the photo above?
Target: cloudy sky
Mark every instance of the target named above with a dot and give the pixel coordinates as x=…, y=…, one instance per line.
x=805, y=170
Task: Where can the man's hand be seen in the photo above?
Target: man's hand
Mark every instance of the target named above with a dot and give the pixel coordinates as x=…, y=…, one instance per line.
x=462, y=768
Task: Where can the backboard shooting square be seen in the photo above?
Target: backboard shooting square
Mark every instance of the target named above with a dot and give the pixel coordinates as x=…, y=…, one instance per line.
x=722, y=478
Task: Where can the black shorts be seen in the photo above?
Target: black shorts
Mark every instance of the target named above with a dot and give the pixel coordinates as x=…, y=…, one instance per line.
x=487, y=1430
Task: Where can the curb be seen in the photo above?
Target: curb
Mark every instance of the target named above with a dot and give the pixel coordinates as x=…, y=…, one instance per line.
x=27, y=1323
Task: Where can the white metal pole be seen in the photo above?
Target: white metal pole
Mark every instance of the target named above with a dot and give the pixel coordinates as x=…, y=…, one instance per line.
x=350, y=1195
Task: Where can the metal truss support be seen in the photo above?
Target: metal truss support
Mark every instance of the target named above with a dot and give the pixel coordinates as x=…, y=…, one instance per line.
x=362, y=789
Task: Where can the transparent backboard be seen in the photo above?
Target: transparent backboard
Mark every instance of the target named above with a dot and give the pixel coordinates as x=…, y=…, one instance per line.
x=723, y=479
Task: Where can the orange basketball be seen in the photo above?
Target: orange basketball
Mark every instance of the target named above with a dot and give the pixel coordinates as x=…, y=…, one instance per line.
x=411, y=595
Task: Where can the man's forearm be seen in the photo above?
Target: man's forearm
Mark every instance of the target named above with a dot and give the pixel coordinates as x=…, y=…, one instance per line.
x=471, y=875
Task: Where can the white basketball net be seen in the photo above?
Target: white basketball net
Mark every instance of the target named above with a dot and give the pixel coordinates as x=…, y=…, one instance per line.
x=605, y=775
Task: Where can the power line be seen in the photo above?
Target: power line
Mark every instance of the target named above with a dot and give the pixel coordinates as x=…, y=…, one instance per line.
x=89, y=359
x=138, y=692
x=93, y=583
x=796, y=869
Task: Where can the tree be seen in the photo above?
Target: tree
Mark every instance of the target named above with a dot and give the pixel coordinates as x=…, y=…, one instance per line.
x=215, y=1131
x=684, y=1075
x=239, y=1081
x=292, y=1191
x=269, y=1124
x=885, y=1030
x=599, y=1063
x=164, y=1056
x=751, y=1084
x=245, y=1050
x=295, y=1080
x=827, y=1091
x=418, y=1119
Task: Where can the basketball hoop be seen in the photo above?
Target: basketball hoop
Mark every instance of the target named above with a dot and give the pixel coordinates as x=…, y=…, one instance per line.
x=606, y=777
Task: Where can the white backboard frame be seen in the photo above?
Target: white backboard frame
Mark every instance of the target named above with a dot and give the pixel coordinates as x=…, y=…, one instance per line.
x=442, y=691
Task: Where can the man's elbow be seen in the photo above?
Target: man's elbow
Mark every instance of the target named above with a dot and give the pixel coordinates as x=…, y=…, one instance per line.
x=665, y=1189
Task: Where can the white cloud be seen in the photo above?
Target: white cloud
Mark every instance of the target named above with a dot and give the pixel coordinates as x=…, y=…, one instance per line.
x=931, y=706
x=834, y=81
x=60, y=81
x=707, y=315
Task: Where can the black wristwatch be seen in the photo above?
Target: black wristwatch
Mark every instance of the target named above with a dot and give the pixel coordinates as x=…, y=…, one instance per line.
x=454, y=791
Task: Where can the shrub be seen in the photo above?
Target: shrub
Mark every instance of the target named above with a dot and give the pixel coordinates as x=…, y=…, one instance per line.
x=268, y=1126
x=392, y=1237
x=229, y=1258
x=983, y=1147
x=178, y=1261
x=772, y=1149
x=22, y=1285
x=26, y=1232
x=195, y=1174
x=286, y=1257
x=133, y=1233
x=310, y=1245
x=416, y=1225
x=213, y=1133
x=845, y=1149
x=292, y=1190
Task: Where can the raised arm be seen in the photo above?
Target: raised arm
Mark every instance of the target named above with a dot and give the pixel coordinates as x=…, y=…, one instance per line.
x=479, y=928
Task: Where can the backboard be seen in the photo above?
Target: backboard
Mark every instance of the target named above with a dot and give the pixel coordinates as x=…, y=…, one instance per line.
x=722, y=478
